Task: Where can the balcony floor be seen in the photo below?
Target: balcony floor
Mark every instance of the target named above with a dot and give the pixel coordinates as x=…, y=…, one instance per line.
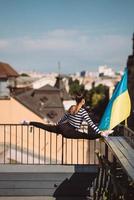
x=46, y=182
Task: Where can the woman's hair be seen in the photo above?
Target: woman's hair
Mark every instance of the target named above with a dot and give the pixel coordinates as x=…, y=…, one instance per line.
x=79, y=97
x=72, y=109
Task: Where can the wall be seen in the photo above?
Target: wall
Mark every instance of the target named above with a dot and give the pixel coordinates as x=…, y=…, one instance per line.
x=13, y=112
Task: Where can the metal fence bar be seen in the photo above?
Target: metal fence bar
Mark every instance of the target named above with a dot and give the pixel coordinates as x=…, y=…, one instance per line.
x=4, y=143
x=44, y=147
x=50, y=148
x=21, y=144
x=83, y=152
x=25, y=144
x=71, y=151
x=56, y=150
x=39, y=146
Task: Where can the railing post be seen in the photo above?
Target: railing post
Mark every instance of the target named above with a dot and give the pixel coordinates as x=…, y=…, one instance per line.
x=62, y=150
x=106, y=151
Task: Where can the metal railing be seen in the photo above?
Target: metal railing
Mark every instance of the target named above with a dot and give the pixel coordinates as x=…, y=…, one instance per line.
x=24, y=144
x=127, y=133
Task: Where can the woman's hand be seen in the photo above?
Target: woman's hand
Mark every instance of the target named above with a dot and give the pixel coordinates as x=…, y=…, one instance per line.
x=106, y=133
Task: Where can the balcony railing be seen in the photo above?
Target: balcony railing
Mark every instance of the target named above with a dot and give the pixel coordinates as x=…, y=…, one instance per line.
x=24, y=144
x=127, y=133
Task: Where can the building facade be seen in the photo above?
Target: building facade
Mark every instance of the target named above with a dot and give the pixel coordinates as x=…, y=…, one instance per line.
x=130, y=66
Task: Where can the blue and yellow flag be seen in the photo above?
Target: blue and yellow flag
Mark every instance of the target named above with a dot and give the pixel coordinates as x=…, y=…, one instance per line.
x=119, y=106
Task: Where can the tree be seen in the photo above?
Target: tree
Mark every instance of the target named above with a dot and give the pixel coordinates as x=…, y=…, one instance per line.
x=24, y=74
x=96, y=98
x=99, y=97
x=75, y=87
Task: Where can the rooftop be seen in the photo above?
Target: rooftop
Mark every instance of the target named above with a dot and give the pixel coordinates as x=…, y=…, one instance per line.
x=7, y=71
x=45, y=102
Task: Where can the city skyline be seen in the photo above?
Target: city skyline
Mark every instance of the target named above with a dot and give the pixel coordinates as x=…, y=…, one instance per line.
x=80, y=34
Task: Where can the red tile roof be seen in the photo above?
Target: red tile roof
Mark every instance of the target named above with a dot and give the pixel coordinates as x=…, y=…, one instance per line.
x=7, y=71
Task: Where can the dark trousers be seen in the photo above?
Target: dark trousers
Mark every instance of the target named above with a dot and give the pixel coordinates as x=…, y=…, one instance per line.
x=67, y=130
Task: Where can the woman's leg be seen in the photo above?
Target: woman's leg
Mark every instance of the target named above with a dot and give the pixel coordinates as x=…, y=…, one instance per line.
x=66, y=130
x=81, y=135
x=47, y=127
x=70, y=132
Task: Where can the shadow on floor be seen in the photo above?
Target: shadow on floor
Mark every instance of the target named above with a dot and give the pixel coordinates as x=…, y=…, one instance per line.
x=78, y=186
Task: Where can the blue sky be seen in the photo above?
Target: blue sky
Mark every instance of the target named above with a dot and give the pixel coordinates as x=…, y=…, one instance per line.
x=80, y=34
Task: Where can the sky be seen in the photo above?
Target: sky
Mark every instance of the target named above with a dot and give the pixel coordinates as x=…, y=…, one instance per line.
x=40, y=35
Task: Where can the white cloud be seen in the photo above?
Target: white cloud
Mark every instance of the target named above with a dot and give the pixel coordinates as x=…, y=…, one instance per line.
x=46, y=44
x=62, y=33
x=3, y=44
x=77, y=45
x=66, y=40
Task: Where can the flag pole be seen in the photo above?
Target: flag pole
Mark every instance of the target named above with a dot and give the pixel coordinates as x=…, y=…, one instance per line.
x=126, y=122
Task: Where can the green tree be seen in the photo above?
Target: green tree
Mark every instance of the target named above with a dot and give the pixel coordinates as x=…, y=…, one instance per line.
x=99, y=99
x=24, y=74
x=75, y=87
x=96, y=98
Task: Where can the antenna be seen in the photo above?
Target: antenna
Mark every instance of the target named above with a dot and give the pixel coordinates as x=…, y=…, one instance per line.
x=59, y=67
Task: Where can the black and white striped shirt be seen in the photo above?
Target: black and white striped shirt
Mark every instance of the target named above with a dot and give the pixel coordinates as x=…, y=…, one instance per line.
x=76, y=119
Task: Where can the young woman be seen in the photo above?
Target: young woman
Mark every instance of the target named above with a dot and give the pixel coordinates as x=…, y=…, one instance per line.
x=70, y=124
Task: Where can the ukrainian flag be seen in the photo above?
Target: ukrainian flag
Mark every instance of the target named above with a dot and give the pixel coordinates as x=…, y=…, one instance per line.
x=119, y=106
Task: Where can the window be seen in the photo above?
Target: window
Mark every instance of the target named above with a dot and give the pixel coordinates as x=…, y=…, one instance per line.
x=4, y=90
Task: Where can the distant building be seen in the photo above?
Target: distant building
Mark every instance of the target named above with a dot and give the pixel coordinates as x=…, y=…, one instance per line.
x=44, y=80
x=83, y=73
x=7, y=79
x=25, y=81
x=43, y=105
x=44, y=102
x=106, y=71
x=87, y=82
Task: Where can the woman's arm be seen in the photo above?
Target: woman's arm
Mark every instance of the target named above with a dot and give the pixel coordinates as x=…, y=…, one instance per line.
x=104, y=133
x=71, y=111
x=86, y=117
x=63, y=119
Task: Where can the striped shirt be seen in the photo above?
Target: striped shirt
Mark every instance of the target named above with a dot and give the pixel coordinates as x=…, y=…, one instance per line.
x=76, y=119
